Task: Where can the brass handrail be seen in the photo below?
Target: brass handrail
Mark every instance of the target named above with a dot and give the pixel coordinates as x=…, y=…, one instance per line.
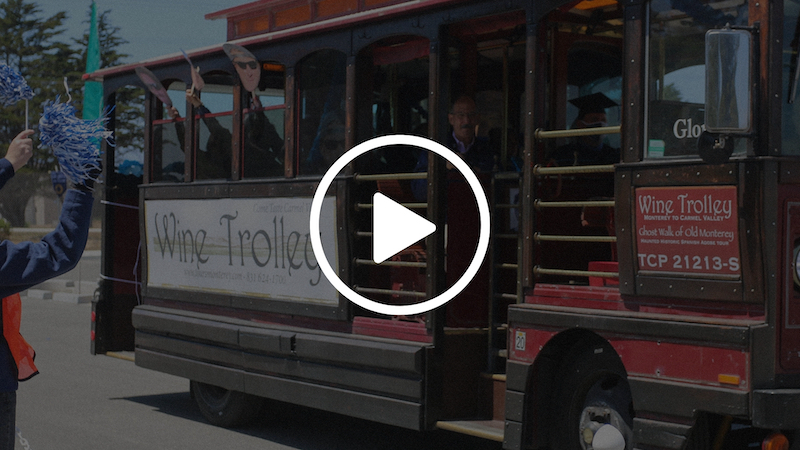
x=391, y=176
x=555, y=134
x=407, y=205
x=573, y=273
x=538, y=237
x=541, y=171
x=366, y=290
x=389, y=263
x=538, y=204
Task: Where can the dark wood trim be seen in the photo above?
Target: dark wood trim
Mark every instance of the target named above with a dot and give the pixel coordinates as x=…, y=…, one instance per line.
x=624, y=220
x=237, y=147
x=680, y=287
x=532, y=118
x=751, y=225
x=434, y=273
x=279, y=187
x=149, y=159
x=726, y=332
x=633, y=101
x=350, y=104
x=289, y=127
x=189, y=141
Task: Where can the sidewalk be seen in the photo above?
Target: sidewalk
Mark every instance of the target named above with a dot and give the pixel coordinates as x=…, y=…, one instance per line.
x=75, y=286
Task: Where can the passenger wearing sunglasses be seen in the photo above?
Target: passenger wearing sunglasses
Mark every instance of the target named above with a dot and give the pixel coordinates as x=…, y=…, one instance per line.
x=246, y=65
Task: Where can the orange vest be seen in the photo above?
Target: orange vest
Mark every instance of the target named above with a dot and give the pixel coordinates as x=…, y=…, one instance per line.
x=22, y=352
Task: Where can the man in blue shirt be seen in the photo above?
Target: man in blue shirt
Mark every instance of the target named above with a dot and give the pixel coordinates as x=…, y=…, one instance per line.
x=27, y=264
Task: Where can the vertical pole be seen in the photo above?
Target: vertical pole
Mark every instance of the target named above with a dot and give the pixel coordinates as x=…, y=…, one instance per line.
x=290, y=152
x=239, y=103
x=526, y=194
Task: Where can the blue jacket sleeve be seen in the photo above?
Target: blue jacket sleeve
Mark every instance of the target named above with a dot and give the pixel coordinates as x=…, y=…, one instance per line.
x=30, y=263
x=6, y=171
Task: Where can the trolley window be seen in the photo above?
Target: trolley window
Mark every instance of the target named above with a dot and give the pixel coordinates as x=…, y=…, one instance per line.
x=263, y=125
x=791, y=79
x=393, y=97
x=321, y=86
x=169, y=133
x=214, y=123
x=676, y=70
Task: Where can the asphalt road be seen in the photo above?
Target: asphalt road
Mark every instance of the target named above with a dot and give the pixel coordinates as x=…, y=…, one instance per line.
x=80, y=401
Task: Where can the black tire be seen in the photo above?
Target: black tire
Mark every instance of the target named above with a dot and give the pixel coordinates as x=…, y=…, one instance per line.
x=591, y=389
x=225, y=408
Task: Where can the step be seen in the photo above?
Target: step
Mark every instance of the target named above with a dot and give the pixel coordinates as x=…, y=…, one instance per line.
x=498, y=394
x=484, y=429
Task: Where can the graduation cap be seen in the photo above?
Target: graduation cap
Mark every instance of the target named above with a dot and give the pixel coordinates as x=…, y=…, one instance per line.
x=593, y=103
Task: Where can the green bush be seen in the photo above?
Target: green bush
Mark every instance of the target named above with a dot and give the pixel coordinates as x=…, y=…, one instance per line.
x=5, y=229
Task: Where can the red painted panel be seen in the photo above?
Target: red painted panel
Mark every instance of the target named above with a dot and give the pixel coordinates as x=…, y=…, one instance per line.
x=526, y=343
x=391, y=328
x=682, y=362
x=609, y=298
x=668, y=361
x=789, y=304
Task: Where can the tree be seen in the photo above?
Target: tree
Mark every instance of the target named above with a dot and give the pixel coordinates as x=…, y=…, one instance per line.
x=129, y=108
x=34, y=45
x=29, y=43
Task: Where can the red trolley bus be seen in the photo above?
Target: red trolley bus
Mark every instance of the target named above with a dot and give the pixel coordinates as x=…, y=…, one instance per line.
x=648, y=297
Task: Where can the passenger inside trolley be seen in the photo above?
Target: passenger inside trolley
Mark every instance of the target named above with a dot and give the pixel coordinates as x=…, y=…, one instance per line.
x=587, y=150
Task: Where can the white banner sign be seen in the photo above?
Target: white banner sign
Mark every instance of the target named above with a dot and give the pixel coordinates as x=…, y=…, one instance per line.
x=256, y=247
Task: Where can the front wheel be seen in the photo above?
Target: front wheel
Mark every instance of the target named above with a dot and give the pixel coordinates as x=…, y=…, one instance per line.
x=225, y=408
x=592, y=406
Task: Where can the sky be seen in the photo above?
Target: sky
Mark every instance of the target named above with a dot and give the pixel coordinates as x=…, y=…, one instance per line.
x=151, y=27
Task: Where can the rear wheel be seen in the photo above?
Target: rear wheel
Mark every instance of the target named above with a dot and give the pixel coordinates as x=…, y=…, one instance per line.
x=223, y=407
x=592, y=393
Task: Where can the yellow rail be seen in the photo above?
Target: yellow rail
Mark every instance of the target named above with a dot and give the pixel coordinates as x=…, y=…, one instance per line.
x=541, y=171
x=540, y=134
x=574, y=273
x=575, y=204
x=391, y=176
x=569, y=238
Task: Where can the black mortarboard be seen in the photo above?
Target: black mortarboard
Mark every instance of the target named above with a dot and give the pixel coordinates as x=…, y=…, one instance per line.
x=593, y=103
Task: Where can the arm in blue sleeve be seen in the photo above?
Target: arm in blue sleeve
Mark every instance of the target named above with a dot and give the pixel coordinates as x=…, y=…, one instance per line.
x=30, y=263
x=6, y=171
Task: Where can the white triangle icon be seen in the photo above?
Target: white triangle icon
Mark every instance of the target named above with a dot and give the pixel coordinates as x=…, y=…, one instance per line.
x=395, y=227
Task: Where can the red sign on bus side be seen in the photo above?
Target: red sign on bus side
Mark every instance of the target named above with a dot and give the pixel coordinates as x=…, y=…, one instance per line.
x=688, y=229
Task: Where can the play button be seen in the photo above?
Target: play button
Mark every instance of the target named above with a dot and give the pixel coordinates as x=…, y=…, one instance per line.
x=395, y=227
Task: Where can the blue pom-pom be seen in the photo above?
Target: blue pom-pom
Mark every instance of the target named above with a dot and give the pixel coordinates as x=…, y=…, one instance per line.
x=75, y=142
x=13, y=86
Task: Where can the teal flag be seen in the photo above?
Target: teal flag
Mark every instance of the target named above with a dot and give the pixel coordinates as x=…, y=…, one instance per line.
x=93, y=90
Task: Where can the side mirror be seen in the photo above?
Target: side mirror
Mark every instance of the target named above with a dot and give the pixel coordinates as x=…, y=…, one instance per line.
x=728, y=81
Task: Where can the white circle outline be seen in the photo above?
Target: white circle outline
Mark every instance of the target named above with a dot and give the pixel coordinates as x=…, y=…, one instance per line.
x=483, y=236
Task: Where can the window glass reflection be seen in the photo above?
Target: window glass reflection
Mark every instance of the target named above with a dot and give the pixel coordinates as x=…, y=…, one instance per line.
x=321, y=85
x=676, y=86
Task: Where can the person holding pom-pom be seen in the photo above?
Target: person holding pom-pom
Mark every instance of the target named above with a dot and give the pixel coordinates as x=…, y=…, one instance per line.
x=26, y=264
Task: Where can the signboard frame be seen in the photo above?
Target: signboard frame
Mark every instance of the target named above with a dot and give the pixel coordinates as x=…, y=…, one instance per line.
x=332, y=306
x=689, y=231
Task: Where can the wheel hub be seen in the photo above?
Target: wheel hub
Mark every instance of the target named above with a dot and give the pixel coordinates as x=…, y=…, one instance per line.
x=600, y=429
